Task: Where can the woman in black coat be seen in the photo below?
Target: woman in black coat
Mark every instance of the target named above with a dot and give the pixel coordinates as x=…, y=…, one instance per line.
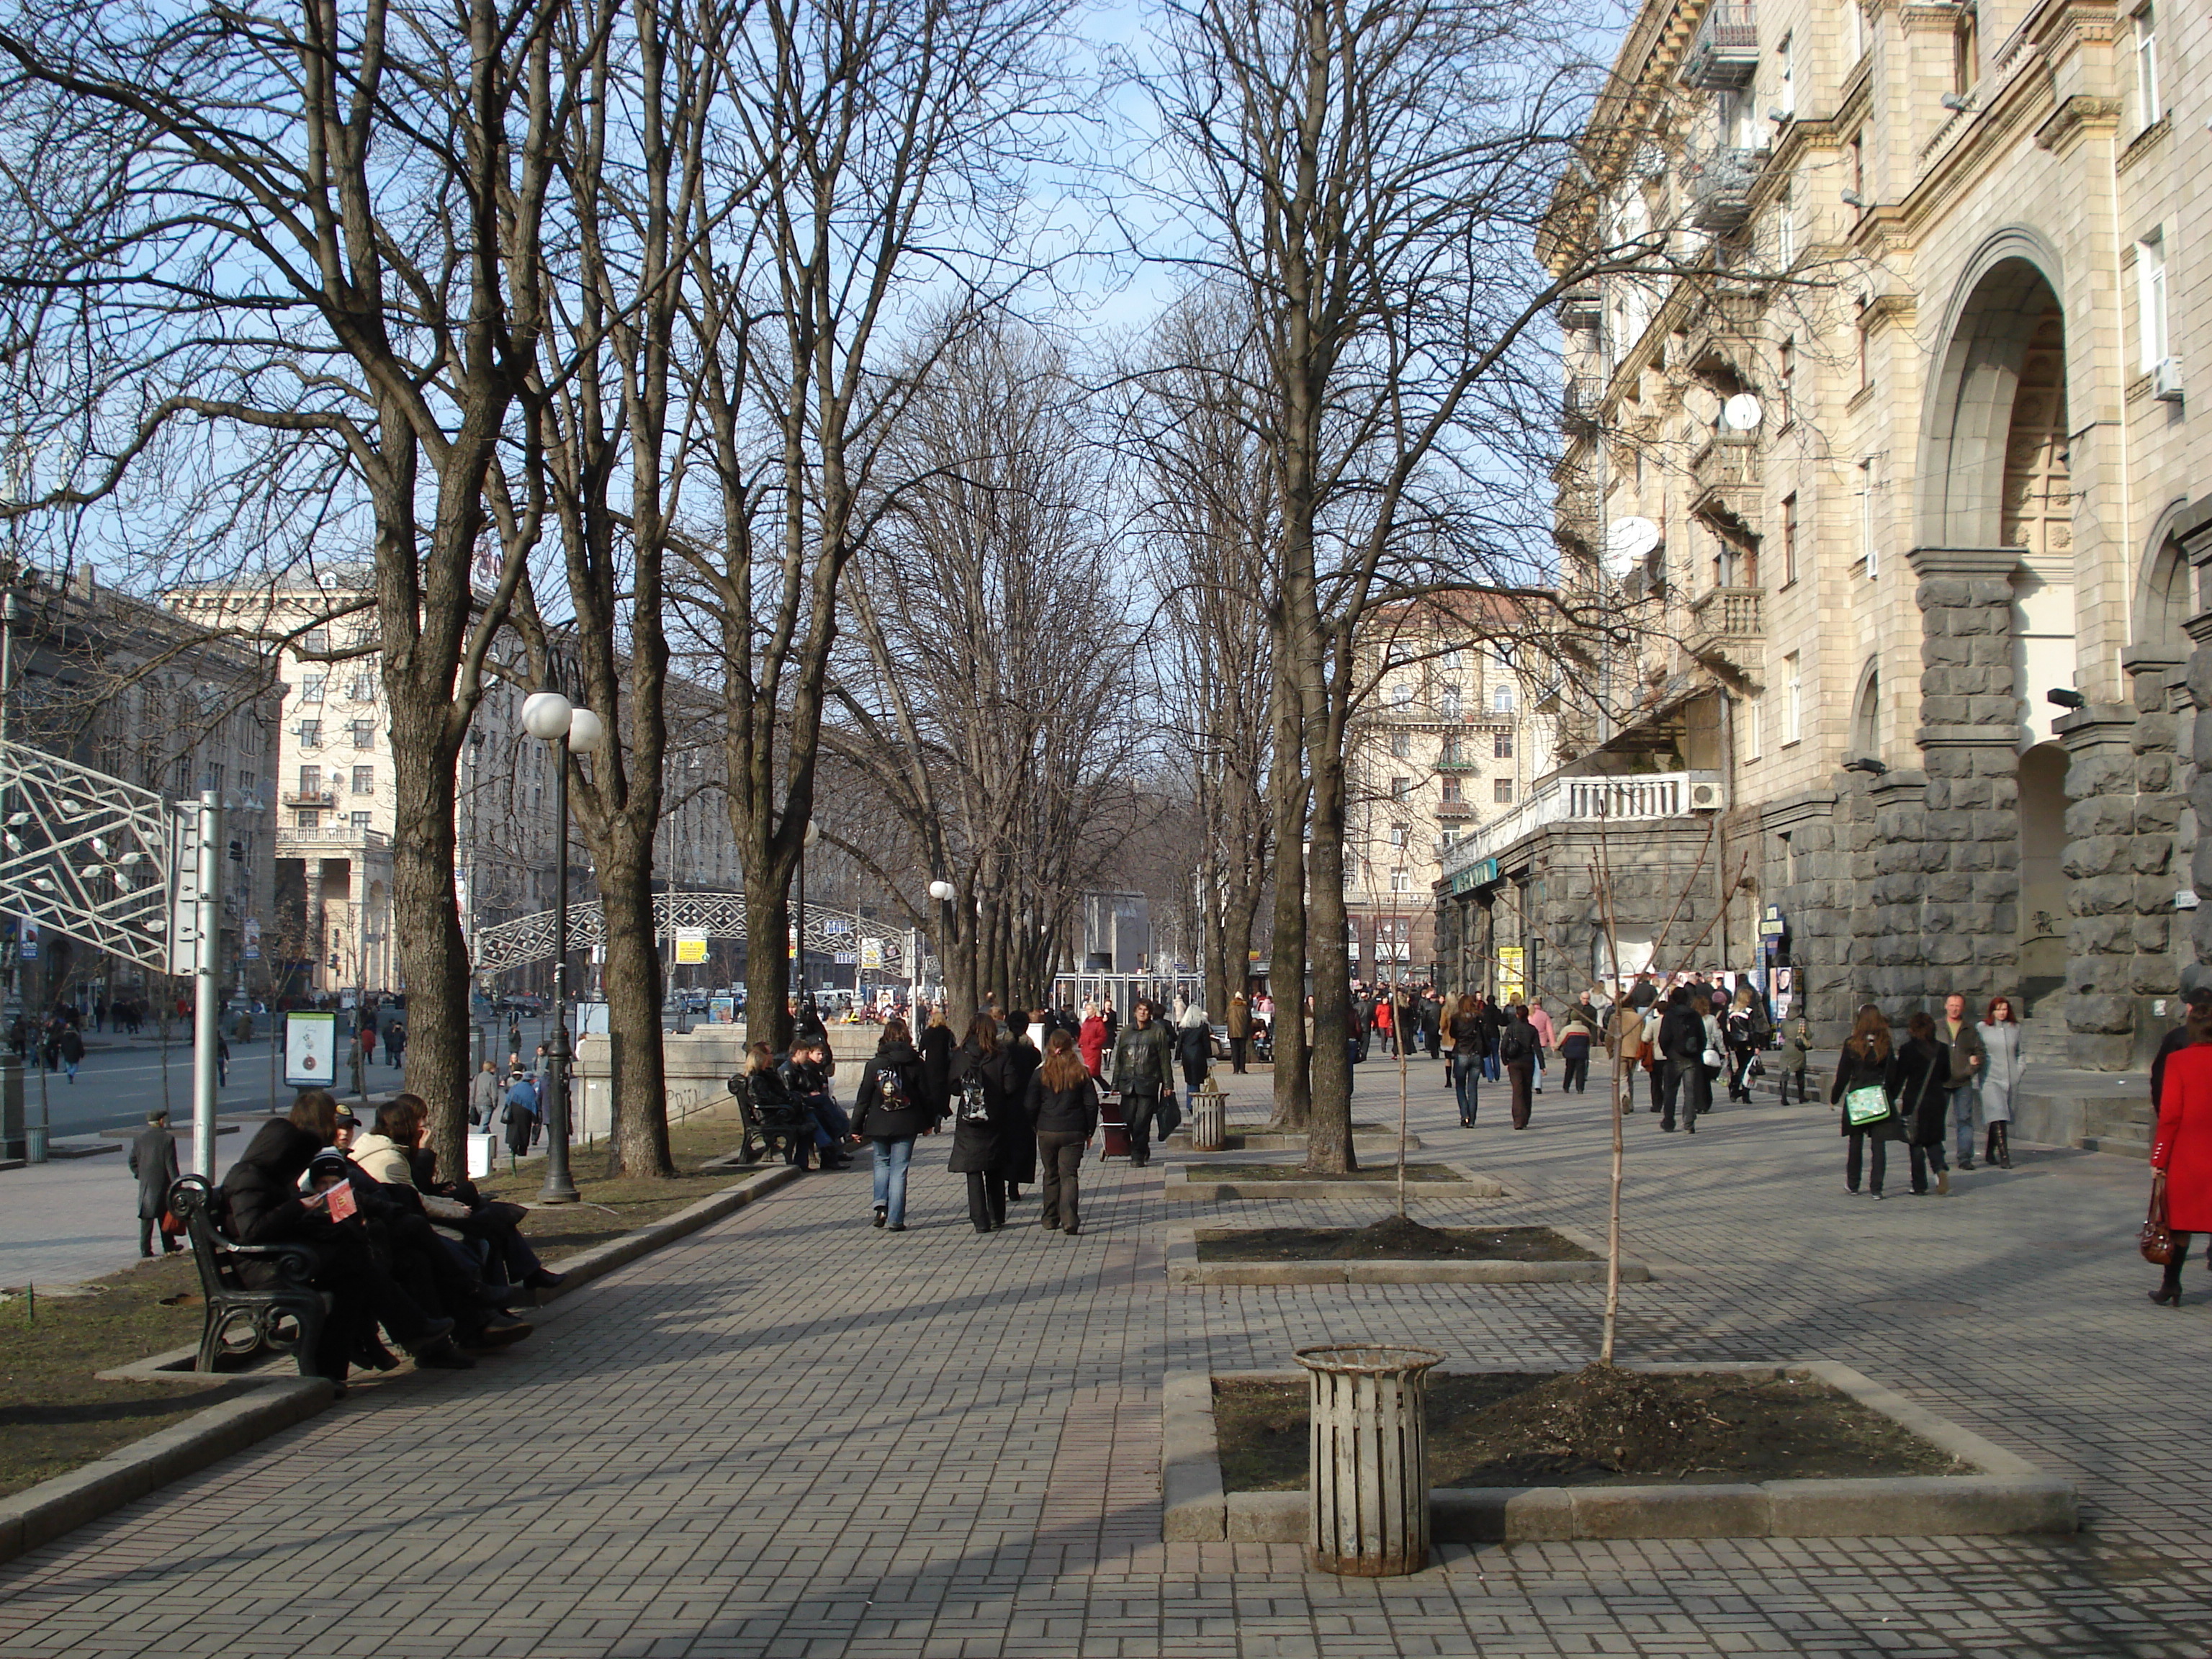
x=1923, y=1085
x=985, y=1133
x=1018, y=1144
x=1062, y=1108
x=889, y=1110
x=936, y=1045
x=1867, y=1062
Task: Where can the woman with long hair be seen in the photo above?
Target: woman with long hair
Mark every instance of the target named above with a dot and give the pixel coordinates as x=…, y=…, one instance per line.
x=1062, y=1109
x=2181, y=1149
x=983, y=1080
x=1923, y=1089
x=1867, y=1069
x=1469, y=1037
x=2002, y=1064
x=1741, y=1029
x=889, y=1110
x=935, y=1046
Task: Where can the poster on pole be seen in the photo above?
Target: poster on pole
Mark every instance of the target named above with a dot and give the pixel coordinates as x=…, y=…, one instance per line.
x=690, y=944
x=310, y=1049
x=872, y=954
x=1511, y=971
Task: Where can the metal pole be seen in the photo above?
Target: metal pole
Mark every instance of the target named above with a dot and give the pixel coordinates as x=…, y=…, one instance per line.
x=207, y=997
x=559, y=1188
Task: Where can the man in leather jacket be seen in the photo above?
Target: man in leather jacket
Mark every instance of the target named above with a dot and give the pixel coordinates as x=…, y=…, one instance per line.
x=806, y=1076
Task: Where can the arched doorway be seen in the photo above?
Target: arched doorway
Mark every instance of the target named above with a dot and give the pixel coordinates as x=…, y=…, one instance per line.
x=2042, y=879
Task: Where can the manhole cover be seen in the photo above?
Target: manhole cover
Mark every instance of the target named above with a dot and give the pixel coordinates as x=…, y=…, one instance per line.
x=1909, y=1307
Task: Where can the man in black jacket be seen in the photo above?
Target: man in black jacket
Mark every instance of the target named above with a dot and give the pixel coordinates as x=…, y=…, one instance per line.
x=806, y=1079
x=1517, y=1051
x=1682, y=1042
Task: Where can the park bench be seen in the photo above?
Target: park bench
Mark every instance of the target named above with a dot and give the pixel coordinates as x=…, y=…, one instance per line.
x=286, y=1317
x=778, y=1128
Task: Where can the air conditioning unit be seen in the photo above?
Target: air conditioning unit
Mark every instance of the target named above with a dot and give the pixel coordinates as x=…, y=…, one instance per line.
x=1705, y=796
x=2166, y=380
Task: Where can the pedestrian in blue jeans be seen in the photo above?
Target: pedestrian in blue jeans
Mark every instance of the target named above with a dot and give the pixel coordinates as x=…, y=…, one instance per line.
x=1958, y=1035
x=1469, y=1041
x=891, y=1109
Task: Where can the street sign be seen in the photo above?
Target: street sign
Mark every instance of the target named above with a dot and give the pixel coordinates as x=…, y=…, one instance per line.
x=871, y=953
x=691, y=945
x=310, y=1049
x=184, y=892
x=27, y=942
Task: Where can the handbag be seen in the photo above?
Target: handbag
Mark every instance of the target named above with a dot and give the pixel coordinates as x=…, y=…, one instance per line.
x=2155, y=1240
x=1867, y=1104
x=1713, y=1060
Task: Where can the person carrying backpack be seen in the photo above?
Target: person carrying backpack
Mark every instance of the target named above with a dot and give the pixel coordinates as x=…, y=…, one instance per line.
x=1517, y=1047
x=891, y=1110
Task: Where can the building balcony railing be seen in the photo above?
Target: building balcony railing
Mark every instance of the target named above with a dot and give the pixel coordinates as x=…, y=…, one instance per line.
x=1725, y=476
x=1720, y=189
x=1457, y=764
x=1578, y=400
x=1646, y=797
x=1725, y=55
x=326, y=835
x=1726, y=626
x=1581, y=307
x=1455, y=809
x=311, y=797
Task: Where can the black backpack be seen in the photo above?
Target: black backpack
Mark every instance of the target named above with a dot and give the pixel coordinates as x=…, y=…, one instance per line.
x=1513, y=1046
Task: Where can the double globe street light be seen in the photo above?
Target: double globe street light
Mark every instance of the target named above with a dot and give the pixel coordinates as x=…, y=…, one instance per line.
x=551, y=718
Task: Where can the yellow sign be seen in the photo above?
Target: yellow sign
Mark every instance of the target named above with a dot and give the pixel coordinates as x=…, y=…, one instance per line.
x=872, y=954
x=1512, y=971
x=690, y=944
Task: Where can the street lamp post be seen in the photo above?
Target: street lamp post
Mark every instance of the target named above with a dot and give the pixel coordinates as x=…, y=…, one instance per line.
x=942, y=891
x=552, y=719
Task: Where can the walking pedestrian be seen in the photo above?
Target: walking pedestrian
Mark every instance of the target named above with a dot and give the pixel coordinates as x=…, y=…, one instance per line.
x=888, y=1109
x=1493, y=1026
x=1195, y=1050
x=70, y=1046
x=1144, y=1067
x=154, y=1161
x=1740, y=1034
x=1922, y=1086
x=1431, y=1009
x=1469, y=1036
x=1576, y=1032
x=982, y=1125
x=1627, y=1024
x=1518, y=1047
x=1968, y=1060
x=2181, y=1148
x=1240, y=1032
x=1092, y=1038
x=2002, y=1064
x=1023, y=1058
x=1865, y=1087
x=520, y=1114
x=1062, y=1109
x=1546, y=1038
x=1383, y=1015
x=484, y=1096
x=367, y=1039
x=1796, y=1054
x=221, y=1061
x=1685, y=1086
x=937, y=1046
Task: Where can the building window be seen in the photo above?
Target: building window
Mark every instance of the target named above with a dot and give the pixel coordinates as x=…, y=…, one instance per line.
x=311, y=781
x=1858, y=165
x=316, y=641
x=1753, y=710
x=249, y=790
x=1400, y=787
x=2150, y=298
x=1400, y=881
x=364, y=734
x=1793, y=691
x=211, y=778
x=311, y=734
x=1868, y=551
x=1501, y=699
x=1501, y=791
x=1451, y=791
x=1448, y=701
x=1401, y=746
x=1501, y=746
x=307, y=819
x=1785, y=382
x=364, y=780
x=1965, y=52
x=1450, y=756
x=311, y=687
x=1451, y=661
x=364, y=688
x=358, y=820
x=1789, y=538
x=1786, y=94
x=1397, y=835
x=1401, y=696
x=2151, y=103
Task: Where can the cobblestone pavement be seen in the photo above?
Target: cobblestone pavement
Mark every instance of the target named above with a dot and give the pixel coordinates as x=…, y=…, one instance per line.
x=794, y=1435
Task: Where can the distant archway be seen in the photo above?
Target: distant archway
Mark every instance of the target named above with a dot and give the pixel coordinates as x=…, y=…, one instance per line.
x=2043, y=877
x=1866, y=713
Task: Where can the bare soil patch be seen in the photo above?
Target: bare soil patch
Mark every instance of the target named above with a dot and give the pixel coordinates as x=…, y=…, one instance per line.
x=1391, y=1239
x=1597, y=1427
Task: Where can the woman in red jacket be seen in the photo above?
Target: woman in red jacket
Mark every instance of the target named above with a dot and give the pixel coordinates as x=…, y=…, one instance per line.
x=2182, y=1151
x=1090, y=1040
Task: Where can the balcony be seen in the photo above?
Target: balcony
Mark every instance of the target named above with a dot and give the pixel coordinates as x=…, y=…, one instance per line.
x=1719, y=185
x=1458, y=765
x=1726, y=629
x=1581, y=308
x=294, y=838
x=1455, y=809
x=1723, y=56
x=311, y=797
x=1578, y=402
x=1725, y=478
x=1587, y=802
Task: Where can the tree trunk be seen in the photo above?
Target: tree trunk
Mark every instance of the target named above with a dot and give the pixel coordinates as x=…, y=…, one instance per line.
x=1287, y=956
x=633, y=995
x=1329, y=1145
x=768, y=963
x=426, y=923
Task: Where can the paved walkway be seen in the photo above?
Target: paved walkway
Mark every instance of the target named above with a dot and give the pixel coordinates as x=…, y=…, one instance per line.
x=794, y=1435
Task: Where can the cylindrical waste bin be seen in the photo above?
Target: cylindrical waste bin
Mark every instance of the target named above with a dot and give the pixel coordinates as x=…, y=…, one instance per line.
x=34, y=1143
x=1208, y=1130
x=1367, y=1480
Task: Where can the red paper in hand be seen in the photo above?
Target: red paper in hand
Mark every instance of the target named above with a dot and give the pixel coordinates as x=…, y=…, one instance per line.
x=343, y=1202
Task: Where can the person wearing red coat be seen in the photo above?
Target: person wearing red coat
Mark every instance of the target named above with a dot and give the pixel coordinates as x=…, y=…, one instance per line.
x=1091, y=1040
x=2181, y=1151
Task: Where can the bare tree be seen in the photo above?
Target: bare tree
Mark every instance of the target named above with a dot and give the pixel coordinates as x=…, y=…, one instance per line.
x=317, y=232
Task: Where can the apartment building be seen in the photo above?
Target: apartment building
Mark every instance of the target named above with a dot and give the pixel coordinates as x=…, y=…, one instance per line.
x=1446, y=742
x=1903, y=486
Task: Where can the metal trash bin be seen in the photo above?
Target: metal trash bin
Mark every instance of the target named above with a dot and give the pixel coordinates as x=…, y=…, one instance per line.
x=1367, y=1478
x=34, y=1143
x=1209, y=1129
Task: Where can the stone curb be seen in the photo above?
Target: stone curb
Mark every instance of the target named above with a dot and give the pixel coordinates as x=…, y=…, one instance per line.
x=1363, y=1142
x=2008, y=1495
x=1184, y=1267
x=1190, y=1183
x=44, y=1512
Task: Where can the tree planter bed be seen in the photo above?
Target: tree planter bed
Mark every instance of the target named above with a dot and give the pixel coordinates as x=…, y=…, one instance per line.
x=1367, y=1139
x=1915, y=1473
x=1220, y=1182
x=1267, y=1255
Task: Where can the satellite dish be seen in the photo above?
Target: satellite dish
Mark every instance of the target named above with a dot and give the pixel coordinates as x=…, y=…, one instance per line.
x=1742, y=412
x=1626, y=541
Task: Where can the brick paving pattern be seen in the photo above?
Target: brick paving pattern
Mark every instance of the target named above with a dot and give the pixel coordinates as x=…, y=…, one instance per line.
x=792, y=1435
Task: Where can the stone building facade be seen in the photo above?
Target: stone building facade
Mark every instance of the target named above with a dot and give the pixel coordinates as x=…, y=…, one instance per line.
x=1898, y=468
